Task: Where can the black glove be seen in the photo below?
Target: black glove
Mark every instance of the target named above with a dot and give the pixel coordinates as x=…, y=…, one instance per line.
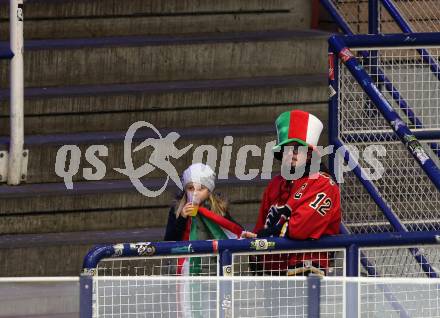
x=277, y=216
x=272, y=231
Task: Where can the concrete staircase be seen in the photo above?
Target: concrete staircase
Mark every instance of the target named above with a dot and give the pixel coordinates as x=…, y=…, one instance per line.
x=47, y=19
x=206, y=69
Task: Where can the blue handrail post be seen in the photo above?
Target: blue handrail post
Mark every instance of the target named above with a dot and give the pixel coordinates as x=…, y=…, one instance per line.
x=333, y=78
x=225, y=287
x=226, y=263
x=352, y=288
x=373, y=17
x=313, y=296
x=86, y=296
x=353, y=261
x=373, y=28
x=333, y=11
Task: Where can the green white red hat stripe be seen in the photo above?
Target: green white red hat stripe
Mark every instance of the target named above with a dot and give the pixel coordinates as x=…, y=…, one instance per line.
x=299, y=126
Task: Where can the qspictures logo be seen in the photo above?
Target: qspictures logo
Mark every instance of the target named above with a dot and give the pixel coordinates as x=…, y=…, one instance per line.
x=69, y=157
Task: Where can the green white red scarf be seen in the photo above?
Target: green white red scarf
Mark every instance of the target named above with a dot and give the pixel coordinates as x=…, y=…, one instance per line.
x=219, y=227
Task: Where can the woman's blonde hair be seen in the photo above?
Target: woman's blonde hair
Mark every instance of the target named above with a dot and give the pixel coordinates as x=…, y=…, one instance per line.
x=217, y=204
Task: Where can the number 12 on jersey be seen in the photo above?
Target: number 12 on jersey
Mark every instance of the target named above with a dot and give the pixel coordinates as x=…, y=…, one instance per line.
x=321, y=204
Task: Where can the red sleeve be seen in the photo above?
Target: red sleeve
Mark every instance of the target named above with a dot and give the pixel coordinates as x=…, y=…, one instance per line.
x=315, y=210
x=264, y=208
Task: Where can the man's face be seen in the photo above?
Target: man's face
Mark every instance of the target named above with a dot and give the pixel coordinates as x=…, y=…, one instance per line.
x=295, y=155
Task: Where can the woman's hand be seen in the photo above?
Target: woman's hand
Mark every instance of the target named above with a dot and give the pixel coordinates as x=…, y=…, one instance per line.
x=248, y=235
x=187, y=209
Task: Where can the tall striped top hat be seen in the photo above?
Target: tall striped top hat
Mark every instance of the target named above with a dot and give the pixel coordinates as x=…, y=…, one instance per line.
x=299, y=126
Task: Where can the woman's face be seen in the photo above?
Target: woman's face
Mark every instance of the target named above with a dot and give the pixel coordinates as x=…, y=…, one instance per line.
x=198, y=191
x=295, y=155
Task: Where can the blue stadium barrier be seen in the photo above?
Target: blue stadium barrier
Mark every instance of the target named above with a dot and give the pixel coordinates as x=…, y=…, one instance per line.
x=226, y=248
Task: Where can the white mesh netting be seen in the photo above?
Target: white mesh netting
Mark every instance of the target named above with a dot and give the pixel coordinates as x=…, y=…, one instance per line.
x=404, y=186
x=329, y=262
x=421, y=15
x=398, y=261
x=268, y=297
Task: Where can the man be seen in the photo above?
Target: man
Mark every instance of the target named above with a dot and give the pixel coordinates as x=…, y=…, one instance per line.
x=302, y=203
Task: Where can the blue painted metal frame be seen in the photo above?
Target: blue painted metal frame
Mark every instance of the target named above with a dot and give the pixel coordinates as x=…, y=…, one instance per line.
x=387, y=40
x=371, y=58
x=226, y=247
x=95, y=255
x=333, y=109
x=352, y=304
x=340, y=44
x=405, y=27
x=226, y=294
x=86, y=296
x=371, y=189
x=225, y=263
x=337, y=45
x=333, y=105
x=333, y=120
x=373, y=11
x=333, y=11
x=333, y=129
x=313, y=296
x=373, y=25
x=373, y=17
x=359, y=137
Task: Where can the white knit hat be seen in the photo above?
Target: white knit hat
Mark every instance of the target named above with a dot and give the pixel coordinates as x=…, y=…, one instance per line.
x=199, y=173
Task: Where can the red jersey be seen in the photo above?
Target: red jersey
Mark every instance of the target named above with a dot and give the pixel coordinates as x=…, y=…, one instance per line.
x=316, y=211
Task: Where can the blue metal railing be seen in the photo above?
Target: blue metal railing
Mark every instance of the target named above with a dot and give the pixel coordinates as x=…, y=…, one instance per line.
x=226, y=248
x=373, y=28
x=342, y=43
x=100, y=252
x=372, y=271
x=380, y=75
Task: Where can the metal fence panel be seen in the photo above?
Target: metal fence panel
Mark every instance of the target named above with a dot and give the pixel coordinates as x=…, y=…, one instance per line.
x=268, y=297
x=398, y=261
x=411, y=88
x=129, y=283
x=421, y=15
x=155, y=297
x=399, y=298
x=199, y=265
x=289, y=263
x=121, y=297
